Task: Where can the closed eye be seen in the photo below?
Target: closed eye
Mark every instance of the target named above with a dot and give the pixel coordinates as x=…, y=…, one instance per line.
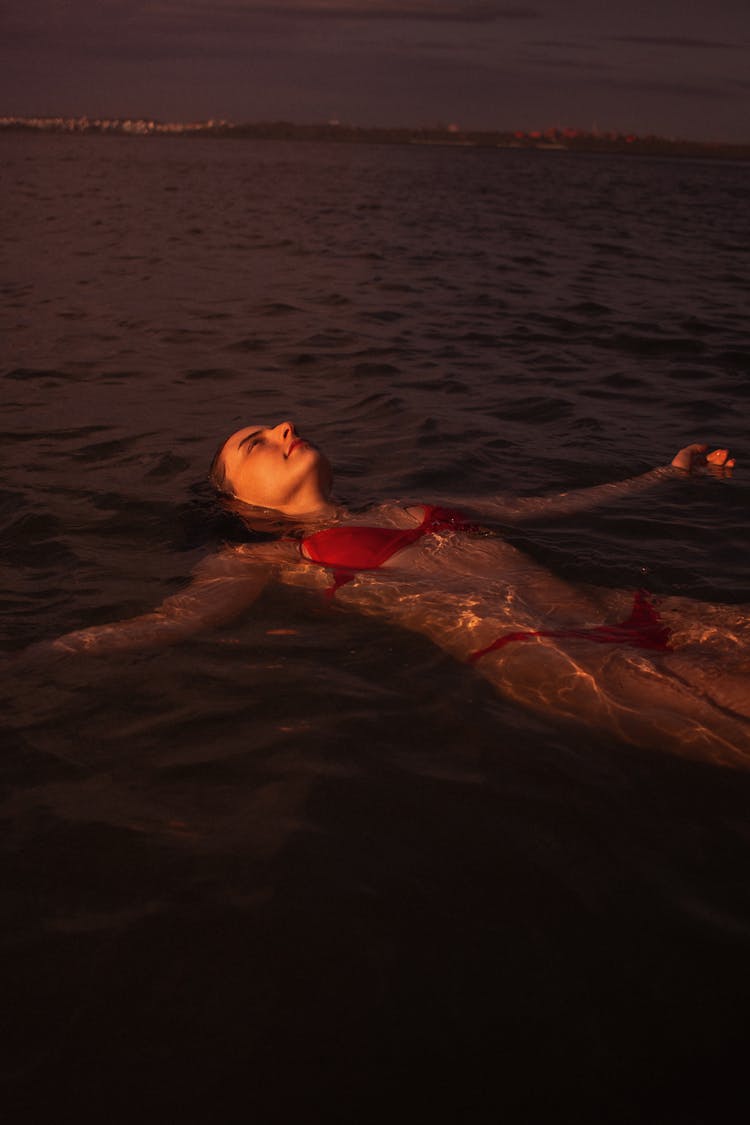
x=251, y=440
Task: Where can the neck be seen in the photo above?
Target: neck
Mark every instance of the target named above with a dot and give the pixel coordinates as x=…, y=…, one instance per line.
x=312, y=512
x=327, y=511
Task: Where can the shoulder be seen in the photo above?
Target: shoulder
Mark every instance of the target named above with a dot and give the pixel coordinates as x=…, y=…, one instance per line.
x=236, y=561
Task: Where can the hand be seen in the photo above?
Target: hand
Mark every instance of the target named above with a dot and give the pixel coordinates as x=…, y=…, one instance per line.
x=695, y=456
x=720, y=460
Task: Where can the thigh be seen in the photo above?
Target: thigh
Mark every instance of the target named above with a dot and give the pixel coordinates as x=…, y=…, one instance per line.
x=654, y=701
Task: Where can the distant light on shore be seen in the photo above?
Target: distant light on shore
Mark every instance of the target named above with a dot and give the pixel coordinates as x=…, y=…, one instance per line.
x=552, y=138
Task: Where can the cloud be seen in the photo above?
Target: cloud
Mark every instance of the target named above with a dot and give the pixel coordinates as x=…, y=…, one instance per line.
x=435, y=11
x=565, y=44
x=143, y=17
x=561, y=63
x=160, y=28
x=701, y=90
x=152, y=30
x=678, y=41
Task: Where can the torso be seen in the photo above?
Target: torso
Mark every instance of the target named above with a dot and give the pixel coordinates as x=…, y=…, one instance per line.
x=463, y=591
x=460, y=589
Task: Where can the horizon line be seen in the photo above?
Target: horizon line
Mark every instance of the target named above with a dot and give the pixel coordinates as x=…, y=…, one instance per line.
x=154, y=124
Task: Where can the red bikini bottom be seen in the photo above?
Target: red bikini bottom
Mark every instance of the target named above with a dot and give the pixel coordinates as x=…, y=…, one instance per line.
x=642, y=629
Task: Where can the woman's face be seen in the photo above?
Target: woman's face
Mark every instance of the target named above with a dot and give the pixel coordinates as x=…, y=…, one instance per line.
x=272, y=467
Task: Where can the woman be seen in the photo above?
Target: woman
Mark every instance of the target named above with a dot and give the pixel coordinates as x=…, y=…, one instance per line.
x=605, y=658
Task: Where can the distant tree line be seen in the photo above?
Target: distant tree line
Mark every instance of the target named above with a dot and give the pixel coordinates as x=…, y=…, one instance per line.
x=561, y=139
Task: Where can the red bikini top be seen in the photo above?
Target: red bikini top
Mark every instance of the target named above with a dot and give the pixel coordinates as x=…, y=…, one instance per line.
x=366, y=548
x=350, y=548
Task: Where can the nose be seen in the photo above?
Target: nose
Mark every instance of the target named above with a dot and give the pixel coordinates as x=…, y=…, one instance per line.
x=285, y=430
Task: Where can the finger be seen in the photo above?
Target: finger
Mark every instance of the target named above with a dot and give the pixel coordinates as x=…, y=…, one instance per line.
x=718, y=457
x=689, y=455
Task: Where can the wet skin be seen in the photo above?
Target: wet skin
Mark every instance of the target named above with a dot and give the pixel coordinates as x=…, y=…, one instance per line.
x=462, y=592
x=273, y=467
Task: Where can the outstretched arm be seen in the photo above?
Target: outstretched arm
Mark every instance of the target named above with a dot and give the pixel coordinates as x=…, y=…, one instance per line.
x=515, y=509
x=222, y=587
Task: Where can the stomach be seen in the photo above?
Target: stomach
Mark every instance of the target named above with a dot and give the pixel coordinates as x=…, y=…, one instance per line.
x=463, y=592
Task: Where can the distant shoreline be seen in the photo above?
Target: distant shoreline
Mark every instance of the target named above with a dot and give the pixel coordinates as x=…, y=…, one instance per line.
x=548, y=140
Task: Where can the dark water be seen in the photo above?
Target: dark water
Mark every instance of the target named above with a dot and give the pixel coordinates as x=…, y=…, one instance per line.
x=329, y=874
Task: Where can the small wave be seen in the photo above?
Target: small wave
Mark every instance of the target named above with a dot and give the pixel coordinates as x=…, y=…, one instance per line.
x=218, y=373
x=26, y=373
x=247, y=344
x=654, y=345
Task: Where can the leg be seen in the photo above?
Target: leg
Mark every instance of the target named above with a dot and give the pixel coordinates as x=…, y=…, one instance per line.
x=650, y=700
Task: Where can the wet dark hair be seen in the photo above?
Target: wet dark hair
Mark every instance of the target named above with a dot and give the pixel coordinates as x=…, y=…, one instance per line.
x=217, y=474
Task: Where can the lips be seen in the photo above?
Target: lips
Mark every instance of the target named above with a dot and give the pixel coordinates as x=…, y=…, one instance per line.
x=293, y=446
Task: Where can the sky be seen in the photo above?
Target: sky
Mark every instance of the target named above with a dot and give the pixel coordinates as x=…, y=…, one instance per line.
x=676, y=68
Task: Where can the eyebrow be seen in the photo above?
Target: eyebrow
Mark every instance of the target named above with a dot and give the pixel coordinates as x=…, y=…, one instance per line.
x=247, y=438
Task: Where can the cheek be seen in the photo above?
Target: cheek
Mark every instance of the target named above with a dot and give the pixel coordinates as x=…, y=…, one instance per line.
x=244, y=480
x=264, y=480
